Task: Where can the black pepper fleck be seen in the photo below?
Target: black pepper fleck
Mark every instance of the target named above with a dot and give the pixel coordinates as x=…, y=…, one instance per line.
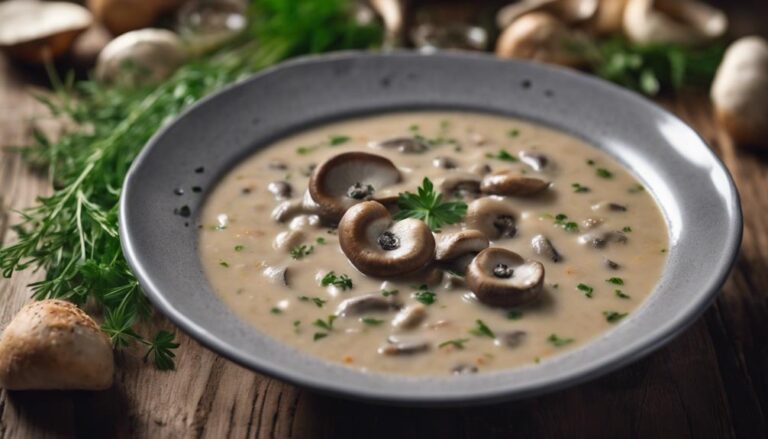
x=197, y=189
x=389, y=241
x=183, y=211
x=200, y=170
x=502, y=271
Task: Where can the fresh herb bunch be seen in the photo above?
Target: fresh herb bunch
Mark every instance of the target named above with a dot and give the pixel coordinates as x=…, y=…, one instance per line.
x=73, y=233
x=428, y=206
x=653, y=68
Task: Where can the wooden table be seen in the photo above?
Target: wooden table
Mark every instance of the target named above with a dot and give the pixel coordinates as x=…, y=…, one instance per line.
x=712, y=381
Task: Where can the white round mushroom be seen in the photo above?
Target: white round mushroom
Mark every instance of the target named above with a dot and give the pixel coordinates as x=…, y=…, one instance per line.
x=35, y=32
x=53, y=344
x=740, y=91
x=539, y=36
x=378, y=247
x=673, y=21
x=141, y=57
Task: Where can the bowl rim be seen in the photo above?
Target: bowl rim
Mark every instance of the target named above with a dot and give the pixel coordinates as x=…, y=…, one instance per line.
x=631, y=352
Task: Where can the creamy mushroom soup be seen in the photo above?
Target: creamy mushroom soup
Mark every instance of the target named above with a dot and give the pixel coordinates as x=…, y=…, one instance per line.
x=335, y=242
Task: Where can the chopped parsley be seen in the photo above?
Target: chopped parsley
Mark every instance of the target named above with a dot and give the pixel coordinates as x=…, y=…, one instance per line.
x=503, y=155
x=239, y=248
x=591, y=162
x=482, y=330
x=626, y=229
x=615, y=281
x=325, y=324
x=276, y=310
x=663, y=250
x=319, y=335
x=458, y=343
x=320, y=240
x=387, y=293
x=514, y=314
x=558, y=341
x=513, y=132
x=344, y=282
x=316, y=300
x=337, y=140
x=604, y=173
x=579, y=189
x=224, y=264
x=424, y=295
x=428, y=206
x=621, y=294
x=561, y=220
x=371, y=321
x=300, y=251
x=635, y=189
x=613, y=316
x=586, y=289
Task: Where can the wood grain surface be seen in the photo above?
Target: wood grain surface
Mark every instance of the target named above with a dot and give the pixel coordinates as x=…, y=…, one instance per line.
x=712, y=381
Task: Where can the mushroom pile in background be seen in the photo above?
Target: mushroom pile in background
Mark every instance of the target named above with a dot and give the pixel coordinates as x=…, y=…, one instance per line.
x=118, y=35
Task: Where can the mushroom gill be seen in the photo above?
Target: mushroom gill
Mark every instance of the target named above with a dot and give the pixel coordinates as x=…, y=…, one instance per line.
x=377, y=246
x=348, y=179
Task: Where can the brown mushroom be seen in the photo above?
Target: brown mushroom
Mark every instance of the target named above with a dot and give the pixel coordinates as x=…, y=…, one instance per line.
x=493, y=217
x=537, y=161
x=368, y=303
x=460, y=185
x=277, y=275
x=673, y=21
x=599, y=239
x=511, y=339
x=607, y=206
x=404, y=346
x=543, y=247
x=510, y=183
x=570, y=11
x=443, y=162
x=449, y=246
x=52, y=344
x=541, y=37
x=36, y=32
x=140, y=57
x=410, y=317
x=281, y=190
x=121, y=16
x=500, y=277
x=288, y=239
x=377, y=246
x=347, y=179
x=406, y=145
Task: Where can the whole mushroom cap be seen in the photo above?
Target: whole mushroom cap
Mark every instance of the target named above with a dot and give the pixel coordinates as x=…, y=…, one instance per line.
x=493, y=217
x=349, y=178
x=569, y=11
x=145, y=56
x=52, y=344
x=34, y=31
x=453, y=245
x=509, y=183
x=378, y=247
x=502, y=278
x=539, y=36
x=740, y=91
x=673, y=21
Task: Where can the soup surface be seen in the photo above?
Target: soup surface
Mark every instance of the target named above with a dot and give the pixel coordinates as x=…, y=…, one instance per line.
x=599, y=236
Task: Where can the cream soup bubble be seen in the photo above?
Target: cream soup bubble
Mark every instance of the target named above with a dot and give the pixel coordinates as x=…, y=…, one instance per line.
x=539, y=243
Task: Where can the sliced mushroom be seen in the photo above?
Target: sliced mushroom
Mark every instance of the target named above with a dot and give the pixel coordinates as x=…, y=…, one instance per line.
x=450, y=246
x=611, y=265
x=591, y=223
x=288, y=239
x=406, y=145
x=348, y=179
x=378, y=247
x=304, y=222
x=673, y=21
x=495, y=218
x=277, y=275
x=510, y=183
x=541, y=37
x=543, y=247
x=36, y=32
x=356, y=306
x=404, y=346
x=570, y=11
x=410, y=317
x=599, y=239
x=480, y=169
x=443, y=162
x=460, y=185
x=281, y=190
x=535, y=160
x=500, y=277
x=606, y=206
x=140, y=57
x=464, y=369
x=277, y=165
x=511, y=339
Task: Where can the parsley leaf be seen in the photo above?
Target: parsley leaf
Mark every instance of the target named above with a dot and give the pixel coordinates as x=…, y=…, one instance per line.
x=613, y=316
x=344, y=282
x=316, y=300
x=424, y=295
x=160, y=349
x=586, y=289
x=300, y=251
x=371, y=321
x=482, y=330
x=604, y=173
x=325, y=324
x=514, y=314
x=621, y=294
x=428, y=206
x=558, y=341
x=503, y=155
x=458, y=343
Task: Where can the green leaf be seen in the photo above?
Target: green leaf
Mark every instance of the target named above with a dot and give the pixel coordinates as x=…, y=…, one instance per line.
x=428, y=206
x=161, y=350
x=482, y=330
x=613, y=316
x=343, y=281
x=458, y=343
x=558, y=341
x=424, y=295
x=586, y=289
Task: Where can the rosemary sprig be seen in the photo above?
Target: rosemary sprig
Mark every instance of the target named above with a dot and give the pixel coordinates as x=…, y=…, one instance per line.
x=73, y=234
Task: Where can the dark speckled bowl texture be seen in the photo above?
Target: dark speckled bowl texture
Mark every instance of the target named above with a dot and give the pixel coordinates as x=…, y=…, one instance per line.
x=693, y=188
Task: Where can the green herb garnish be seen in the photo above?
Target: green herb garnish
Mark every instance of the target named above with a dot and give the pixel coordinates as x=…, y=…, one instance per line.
x=613, y=316
x=239, y=248
x=326, y=324
x=482, y=330
x=300, y=251
x=615, y=281
x=338, y=140
x=344, y=282
x=319, y=335
x=636, y=188
x=561, y=220
x=503, y=155
x=161, y=350
x=424, y=295
x=586, y=289
x=558, y=341
x=320, y=240
x=579, y=189
x=458, y=343
x=604, y=173
x=316, y=300
x=428, y=206
x=514, y=314
x=513, y=132
x=626, y=229
x=621, y=295
x=387, y=293
x=371, y=321
x=276, y=310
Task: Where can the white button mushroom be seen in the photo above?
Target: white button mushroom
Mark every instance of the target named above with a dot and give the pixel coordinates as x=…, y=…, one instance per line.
x=145, y=56
x=673, y=21
x=569, y=11
x=52, y=344
x=35, y=32
x=740, y=91
x=539, y=36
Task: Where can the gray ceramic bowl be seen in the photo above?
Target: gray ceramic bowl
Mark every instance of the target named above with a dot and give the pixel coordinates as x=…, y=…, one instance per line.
x=694, y=190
